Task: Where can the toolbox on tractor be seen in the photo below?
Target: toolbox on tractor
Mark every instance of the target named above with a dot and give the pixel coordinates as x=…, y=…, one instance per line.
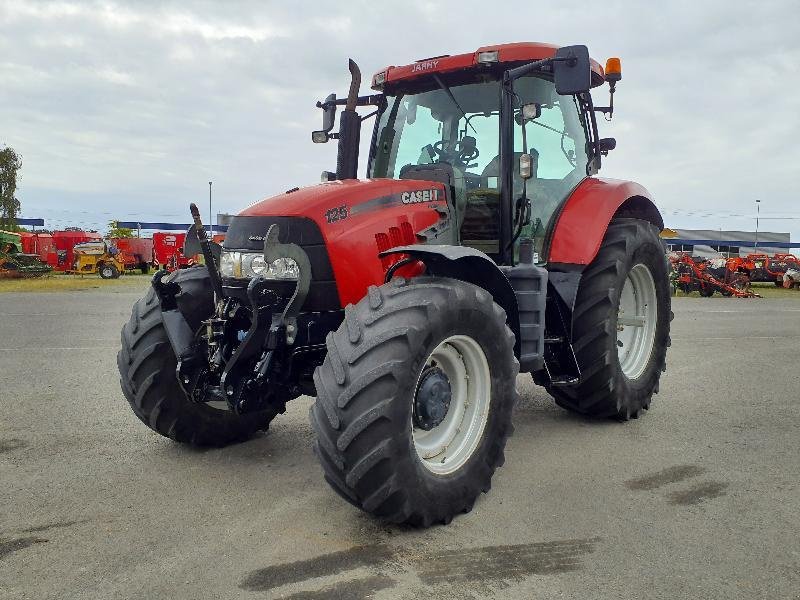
x=480, y=244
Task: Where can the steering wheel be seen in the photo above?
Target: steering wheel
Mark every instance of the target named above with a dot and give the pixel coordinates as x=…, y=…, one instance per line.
x=463, y=151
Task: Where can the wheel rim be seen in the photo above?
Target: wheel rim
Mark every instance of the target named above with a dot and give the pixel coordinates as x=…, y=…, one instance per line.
x=448, y=445
x=637, y=316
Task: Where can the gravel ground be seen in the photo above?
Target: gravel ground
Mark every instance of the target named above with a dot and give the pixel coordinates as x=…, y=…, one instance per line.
x=698, y=499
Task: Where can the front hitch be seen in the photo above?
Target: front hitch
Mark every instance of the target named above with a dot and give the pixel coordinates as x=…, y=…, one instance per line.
x=270, y=332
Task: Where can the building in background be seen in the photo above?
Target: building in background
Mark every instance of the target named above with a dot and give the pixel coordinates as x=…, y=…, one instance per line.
x=713, y=242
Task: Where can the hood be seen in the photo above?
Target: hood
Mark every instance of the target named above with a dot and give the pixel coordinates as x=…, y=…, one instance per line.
x=313, y=201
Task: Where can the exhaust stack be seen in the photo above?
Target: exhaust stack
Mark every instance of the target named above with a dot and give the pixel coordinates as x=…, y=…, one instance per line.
x=349, y=129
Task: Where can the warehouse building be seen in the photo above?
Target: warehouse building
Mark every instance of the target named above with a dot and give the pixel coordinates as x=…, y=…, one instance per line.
x=713, y=242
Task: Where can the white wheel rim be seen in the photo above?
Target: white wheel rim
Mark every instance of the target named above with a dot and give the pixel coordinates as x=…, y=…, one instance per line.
x=447, y=447
x=637, y=315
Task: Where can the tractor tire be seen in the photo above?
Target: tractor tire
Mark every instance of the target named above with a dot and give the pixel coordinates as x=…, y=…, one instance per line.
x=144, y=268
x=388, y=440
x=108, y=271
x=147, y=367
x=615, y=382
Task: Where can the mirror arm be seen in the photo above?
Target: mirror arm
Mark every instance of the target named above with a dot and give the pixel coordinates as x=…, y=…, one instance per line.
x=371, y=100
x=517, y=72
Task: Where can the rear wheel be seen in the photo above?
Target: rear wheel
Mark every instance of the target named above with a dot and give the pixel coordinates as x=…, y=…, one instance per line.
x=706, y=291
x=620, y=325
x=414, y=400
x=147, y=367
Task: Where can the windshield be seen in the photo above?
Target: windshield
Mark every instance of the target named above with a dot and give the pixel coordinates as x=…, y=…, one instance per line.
x=431, y=127
x=460, y=125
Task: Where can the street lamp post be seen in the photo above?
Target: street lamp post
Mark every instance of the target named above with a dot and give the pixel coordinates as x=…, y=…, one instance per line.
x=210, y=214
x=758, y=214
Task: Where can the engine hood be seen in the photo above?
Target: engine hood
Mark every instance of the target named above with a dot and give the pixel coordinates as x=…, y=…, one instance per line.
x=314, y=201
x=350, y=222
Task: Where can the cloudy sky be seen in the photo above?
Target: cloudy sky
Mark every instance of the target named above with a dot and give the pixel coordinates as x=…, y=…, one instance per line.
x=127, y=110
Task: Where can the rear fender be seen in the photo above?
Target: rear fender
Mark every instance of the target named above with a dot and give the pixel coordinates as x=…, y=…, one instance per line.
x=584, y=218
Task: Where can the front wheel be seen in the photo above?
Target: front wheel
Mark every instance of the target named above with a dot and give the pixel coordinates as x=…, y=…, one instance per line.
x=414, y=400
x=147, y=369
x=108, y=271
x=620, y=327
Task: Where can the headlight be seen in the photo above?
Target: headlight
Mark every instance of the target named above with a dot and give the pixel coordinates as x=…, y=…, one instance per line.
x=228, y=262
x=283, y=268
x=250, y=264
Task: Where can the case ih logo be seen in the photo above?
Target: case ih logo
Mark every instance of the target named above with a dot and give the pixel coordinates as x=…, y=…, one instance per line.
x=425, y=65
x=419, y=196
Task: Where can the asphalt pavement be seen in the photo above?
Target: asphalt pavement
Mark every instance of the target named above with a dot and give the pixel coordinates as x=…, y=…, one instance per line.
x=700, y=498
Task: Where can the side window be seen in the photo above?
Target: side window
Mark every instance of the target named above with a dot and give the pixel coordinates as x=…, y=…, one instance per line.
x=556, y=147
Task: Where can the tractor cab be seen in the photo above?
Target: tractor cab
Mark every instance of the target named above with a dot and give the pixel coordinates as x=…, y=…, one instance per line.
x=509, y=140
x=451, y=127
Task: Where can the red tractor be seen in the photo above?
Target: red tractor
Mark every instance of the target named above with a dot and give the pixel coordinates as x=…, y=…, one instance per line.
x=480, y=245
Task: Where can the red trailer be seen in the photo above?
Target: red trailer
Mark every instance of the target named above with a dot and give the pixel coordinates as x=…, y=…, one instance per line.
x=168, y=251
x=137, y=252
x=41, y=244
x=64, y=242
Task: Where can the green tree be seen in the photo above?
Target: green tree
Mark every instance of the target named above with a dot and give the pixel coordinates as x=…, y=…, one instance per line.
x=10, y=164
x=115, y=231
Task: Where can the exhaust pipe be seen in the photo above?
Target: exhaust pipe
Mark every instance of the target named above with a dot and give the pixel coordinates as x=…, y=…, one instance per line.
x=349, y=129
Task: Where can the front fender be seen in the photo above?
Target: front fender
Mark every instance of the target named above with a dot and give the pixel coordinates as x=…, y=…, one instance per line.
x=584, y=218
x=472, y=266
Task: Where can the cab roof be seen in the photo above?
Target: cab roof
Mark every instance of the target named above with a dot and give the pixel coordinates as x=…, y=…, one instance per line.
x=506, y=53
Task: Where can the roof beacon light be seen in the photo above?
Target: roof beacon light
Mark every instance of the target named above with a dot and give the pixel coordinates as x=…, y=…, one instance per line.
x=613, y=75
x=613, y=69
x=486, y=58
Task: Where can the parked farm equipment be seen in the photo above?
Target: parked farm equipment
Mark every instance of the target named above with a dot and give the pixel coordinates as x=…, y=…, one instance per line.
x=97, y=258
x=707, y=276
x=65, y=241
x=137, y=252
x=16, y=264
x=764, y=268
x=168, y=252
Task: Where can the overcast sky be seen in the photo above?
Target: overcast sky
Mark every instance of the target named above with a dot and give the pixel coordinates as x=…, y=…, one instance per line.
x=127, y=110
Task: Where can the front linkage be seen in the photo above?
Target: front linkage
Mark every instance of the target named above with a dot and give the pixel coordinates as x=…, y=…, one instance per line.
x=233, y=357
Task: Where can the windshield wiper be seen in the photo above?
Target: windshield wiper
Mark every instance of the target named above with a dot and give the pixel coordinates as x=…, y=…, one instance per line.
x=447, y=91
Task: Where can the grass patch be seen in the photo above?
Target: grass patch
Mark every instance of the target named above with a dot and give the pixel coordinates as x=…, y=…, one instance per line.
x=61, y=282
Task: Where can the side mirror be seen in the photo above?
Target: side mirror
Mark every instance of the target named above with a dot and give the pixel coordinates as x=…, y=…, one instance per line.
x=571, y=70
x=328, y=119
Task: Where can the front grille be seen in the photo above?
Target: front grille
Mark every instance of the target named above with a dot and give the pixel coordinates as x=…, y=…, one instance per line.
x=247, y=234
